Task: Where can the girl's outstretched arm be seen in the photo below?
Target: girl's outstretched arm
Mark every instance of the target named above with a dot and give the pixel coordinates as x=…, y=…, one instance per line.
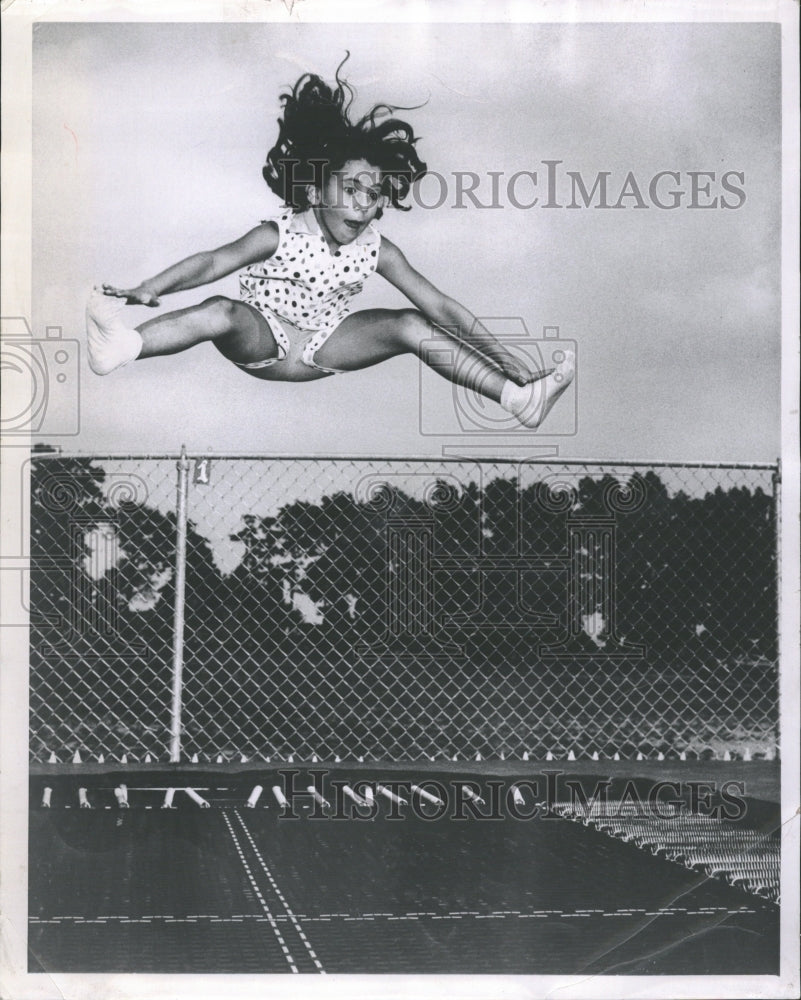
x=203, y=268
x=447, y=312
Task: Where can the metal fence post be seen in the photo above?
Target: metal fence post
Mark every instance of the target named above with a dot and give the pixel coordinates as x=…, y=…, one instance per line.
x=777, y=516
x=180, y=596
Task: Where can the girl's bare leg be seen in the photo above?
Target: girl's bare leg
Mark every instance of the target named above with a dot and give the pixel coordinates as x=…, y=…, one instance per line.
x=240, y=332
x=374, y=335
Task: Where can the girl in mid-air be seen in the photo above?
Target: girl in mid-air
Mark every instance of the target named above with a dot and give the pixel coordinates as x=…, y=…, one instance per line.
x=300, y=273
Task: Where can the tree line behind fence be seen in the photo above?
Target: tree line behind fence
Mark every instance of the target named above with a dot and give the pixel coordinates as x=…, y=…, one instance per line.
x=399, y=620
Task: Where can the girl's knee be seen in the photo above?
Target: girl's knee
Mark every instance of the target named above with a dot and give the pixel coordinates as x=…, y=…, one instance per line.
x=413, y=328
x=221, y=313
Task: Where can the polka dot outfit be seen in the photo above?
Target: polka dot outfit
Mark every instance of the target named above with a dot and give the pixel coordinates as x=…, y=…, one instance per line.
x=306, y=284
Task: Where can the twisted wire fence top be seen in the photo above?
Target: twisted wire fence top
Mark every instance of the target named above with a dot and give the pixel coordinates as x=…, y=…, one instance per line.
x=405, y=608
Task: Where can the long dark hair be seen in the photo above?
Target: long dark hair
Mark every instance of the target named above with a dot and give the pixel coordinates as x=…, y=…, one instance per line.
x=316, y=138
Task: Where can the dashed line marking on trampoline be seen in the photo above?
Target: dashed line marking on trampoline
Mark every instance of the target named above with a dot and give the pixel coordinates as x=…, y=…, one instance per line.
x=275, y=928
x=298, y=929
x=295, y=919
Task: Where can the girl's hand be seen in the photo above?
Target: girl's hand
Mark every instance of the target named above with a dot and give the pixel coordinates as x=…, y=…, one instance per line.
x=139, y=296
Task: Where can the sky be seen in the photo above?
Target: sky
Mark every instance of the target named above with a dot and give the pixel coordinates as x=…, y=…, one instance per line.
x=148, y=146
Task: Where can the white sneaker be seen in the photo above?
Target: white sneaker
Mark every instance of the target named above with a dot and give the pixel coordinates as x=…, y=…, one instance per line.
x=111, y=344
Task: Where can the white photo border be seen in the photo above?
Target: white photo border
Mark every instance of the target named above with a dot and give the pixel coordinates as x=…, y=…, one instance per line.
x=18, y=18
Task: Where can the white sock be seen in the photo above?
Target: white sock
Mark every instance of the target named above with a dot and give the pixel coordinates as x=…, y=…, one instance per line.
x=517, y=398
x=111, y=342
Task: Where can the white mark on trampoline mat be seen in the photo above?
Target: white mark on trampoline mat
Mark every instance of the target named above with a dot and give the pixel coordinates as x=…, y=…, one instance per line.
x=275, y=919
x=269, y=915
x=279, y=894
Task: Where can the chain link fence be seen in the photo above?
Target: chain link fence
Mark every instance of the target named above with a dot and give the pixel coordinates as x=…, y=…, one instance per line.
x=401, y=609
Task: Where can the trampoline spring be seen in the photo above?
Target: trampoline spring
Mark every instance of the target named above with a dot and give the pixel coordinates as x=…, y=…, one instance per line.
x=254, y=797
x=751, y=882
x=739, y=873
x=390, y=795
x=743, y=865
x=312, y=790
x=195, y=797
x=352, y=795
x=473, y=796
x=517, y=796
x=729, y=857
x=423, y=794
x=713, y=837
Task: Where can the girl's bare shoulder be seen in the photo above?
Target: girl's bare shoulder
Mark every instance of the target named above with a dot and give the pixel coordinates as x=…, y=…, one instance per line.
x=268, y=232
x=389, y=255
x=260, y=242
